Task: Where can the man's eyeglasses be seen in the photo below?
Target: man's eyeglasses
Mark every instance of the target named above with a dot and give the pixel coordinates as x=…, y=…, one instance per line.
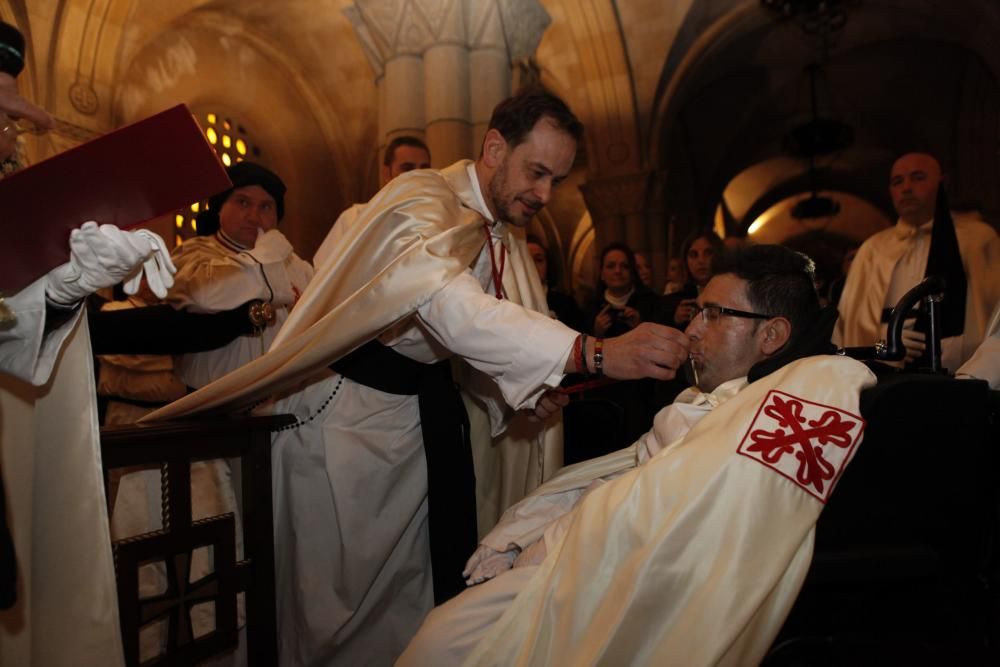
x=712, y=313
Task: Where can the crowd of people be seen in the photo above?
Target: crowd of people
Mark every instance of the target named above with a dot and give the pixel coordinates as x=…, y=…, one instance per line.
x=429, y=292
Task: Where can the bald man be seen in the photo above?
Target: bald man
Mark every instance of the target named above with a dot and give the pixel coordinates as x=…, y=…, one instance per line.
x=892, y=261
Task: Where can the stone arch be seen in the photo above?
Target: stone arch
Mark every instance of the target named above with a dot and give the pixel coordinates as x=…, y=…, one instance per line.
x=726, y=97
x=264, y=90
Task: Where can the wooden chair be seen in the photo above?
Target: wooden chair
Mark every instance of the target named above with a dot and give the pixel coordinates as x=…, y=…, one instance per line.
x=173, y=446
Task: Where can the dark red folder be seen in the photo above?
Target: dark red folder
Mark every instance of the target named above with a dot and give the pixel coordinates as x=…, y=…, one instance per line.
x=126, y=177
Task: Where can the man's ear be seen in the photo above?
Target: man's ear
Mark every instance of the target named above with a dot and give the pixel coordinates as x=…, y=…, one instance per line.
x=494, y=148
x=774, y=334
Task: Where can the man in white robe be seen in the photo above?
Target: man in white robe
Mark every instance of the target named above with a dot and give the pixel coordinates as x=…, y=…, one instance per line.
x=403, y=154
x=240, y=255
x=527, y=452
x=61, y=608
x=66, y=610
x=418, y=274
x=984, y=364
x=891, y=262
x=689, y=547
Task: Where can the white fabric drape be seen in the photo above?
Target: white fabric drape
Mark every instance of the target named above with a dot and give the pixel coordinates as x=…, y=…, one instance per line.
x=694, y=558
x=50, y=459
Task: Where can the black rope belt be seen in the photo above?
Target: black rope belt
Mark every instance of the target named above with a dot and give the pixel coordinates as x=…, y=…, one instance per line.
x=444, y=425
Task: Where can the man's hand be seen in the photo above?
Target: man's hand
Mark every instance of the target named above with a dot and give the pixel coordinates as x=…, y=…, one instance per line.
x=487, y=563
x=271, y=247
x=551, y=402
x=915, y=342
x=157, y=266
x=13, y=107
x=649, y=350
x=685, y=310
x=603, y=321
x=102, y=256
x=16, y=107
x=631, y=317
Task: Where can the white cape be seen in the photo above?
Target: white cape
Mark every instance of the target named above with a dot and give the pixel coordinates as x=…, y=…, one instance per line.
x=696, y=557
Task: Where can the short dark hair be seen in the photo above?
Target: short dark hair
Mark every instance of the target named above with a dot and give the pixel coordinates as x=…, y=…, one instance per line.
x=780, y=282
x=516, y=116
x=404, y=140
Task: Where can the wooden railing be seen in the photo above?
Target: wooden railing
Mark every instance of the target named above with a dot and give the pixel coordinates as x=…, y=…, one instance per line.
x=172, y=447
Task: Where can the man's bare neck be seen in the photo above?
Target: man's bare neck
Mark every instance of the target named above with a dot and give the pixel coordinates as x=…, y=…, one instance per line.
x=483, y=176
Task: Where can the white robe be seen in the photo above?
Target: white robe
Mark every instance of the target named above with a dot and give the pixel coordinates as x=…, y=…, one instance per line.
x=212, y=277
x=984, y=364
x=542, y=514
x=350, y=508
x=694, y=558
x=50, y=458
x=510, y=464
x=329, y=243
x=893, y=260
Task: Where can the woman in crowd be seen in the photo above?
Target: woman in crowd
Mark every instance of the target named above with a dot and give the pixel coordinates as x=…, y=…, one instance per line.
x=644, y=270
x=676, y=309
x=675, y=276
x=621, y=301
x=620, y=304
x=697, y=251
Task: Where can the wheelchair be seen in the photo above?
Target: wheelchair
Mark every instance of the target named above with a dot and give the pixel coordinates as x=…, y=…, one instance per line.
x=905, y=568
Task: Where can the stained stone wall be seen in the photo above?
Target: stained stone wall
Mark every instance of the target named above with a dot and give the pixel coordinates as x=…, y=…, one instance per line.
x=327, y=83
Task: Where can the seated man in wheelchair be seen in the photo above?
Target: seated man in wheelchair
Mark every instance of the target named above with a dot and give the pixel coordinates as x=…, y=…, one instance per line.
x=690, y=546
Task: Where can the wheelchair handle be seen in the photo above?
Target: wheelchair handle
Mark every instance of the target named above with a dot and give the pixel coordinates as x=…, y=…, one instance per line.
x=930, y=288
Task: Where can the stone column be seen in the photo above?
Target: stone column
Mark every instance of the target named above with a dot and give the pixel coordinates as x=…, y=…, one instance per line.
x=442, y=65
x=446, y=82
x=617, y=205
x=404, y=97
x=489, y=67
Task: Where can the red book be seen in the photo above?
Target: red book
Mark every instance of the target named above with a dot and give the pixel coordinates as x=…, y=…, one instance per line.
x=126, y=177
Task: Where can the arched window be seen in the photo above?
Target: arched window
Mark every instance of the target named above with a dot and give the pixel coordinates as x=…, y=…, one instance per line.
x=232, y=144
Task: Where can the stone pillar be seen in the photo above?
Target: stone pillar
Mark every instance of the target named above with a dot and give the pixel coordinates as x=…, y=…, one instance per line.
x=489, y=84
x=446, y=82
x=489, y=67
x=442, y=65
x=618, y=206
x=404, y=97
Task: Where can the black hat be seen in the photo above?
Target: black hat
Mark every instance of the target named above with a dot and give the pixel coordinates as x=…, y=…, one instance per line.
x=11, y=49
x=242, y=174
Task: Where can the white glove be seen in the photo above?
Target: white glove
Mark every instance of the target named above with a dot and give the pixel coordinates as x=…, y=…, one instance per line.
x=101, y=257
x=486, y=563
x=158, y=267
x=271, y=247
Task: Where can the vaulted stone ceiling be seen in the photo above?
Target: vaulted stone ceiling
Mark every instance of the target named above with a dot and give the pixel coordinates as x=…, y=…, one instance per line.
x=684, y=100
x=902, y=75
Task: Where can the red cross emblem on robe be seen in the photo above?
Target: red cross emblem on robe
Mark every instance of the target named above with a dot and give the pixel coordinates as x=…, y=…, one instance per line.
x=807, y=442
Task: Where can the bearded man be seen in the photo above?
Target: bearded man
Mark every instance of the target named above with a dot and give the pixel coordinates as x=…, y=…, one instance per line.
x=374, y=490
